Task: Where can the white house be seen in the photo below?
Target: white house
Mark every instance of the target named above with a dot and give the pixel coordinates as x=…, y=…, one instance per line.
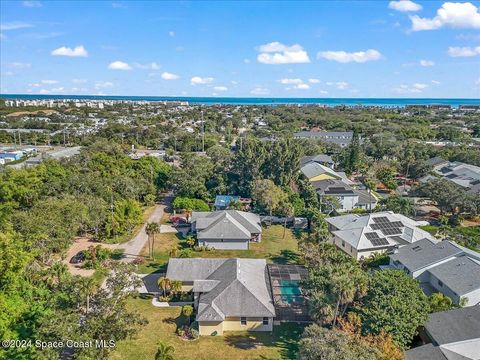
x=363, y=235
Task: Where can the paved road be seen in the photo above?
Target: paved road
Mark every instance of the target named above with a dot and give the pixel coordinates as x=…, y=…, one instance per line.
x=135, y=246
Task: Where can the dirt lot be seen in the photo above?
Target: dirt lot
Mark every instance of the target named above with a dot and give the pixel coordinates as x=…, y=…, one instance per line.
x=81, y=244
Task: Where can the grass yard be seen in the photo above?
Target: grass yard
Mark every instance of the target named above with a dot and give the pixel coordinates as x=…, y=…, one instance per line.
x=281, y=344
x=273, y=247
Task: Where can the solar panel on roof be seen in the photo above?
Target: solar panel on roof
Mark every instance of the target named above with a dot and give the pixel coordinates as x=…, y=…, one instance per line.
x=391, y=231
x=372, y=236
x=397, y=223
x=380, y=219
x=379, y=242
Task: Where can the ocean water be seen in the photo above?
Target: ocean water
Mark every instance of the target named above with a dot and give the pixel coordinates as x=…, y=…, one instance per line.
x=383, y=102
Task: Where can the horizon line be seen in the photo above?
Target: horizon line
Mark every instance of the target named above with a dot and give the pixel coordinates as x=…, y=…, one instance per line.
x=246, y=97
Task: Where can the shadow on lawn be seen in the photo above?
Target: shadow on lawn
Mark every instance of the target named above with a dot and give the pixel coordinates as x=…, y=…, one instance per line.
x=284, y=337
x=285, y=257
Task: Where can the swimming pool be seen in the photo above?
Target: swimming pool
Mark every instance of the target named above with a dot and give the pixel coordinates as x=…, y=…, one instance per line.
x=289, y=291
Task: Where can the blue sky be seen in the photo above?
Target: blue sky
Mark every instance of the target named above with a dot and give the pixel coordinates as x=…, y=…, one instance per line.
x=252, y=49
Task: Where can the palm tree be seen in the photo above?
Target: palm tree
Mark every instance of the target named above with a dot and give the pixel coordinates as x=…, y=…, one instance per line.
x=187, y=311
x=164, y=283
x=152, y=229
x=88, y=287
x=173, y=253
x=288, y=211
x=175, y=286
x=164, y=352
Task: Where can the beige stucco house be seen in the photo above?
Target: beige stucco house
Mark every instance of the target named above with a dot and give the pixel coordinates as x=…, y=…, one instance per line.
x=229, y=294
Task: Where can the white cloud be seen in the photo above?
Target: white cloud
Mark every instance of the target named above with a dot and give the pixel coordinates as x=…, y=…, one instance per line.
x=404, y=6
x=260, y=91
x=49, y=82
x=150, y=66
x=77, y=51
x=20, y=65
x=455, y=15
x=290, y=81
x=341, y=85
x=32, y=4
x=119, y=65
x=323, y=92
x=220, y=88
x=302, y=86
x=435, y=82
x=275, y=53
x=171, y=33
x=246, y=61
x=197, y=80
x=169, y=76
x=15, y=25
x=117, y=5
x=103, y=85
x=313, y=81
x=463, y=51
x=416, y=88
x=427, y=63
x=79, y=81
x=345, y=57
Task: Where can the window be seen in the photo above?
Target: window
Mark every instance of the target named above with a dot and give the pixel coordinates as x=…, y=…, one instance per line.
x=265, y=321
x=243, y=321
x=440, y=283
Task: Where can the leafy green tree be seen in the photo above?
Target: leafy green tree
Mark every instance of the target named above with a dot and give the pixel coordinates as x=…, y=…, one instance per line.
x=387, y=176
x=395, y=303
x=267, y=195
x=332, y=288
x=398, y=205
x=320, y=343
x=439, y=302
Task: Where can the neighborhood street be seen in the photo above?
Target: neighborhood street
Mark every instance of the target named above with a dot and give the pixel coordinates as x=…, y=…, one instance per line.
x=134, y=247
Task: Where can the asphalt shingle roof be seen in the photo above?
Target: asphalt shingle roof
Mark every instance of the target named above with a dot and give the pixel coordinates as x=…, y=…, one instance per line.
x=461, y=274
x=226, y=224
x=424, y=252
x=233, y=287
x=455, y=325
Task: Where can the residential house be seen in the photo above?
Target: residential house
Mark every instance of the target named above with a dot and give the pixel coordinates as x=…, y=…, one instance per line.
x=226, y=229
x=444, y=267
x=348, y=197
x=465, y=175
x=450, y=335
x=363, y=235
x=328, y=182
x=222, y=202
x=229, y=294
x=322, y=159
x=340, y=138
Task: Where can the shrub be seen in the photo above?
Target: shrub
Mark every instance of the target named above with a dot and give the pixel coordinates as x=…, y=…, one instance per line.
x=194, y=333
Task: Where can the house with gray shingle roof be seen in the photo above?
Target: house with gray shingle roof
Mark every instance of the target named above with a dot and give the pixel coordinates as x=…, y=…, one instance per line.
x=229, y=294
x=450, y=335
x=226, y=229
x=444, y=267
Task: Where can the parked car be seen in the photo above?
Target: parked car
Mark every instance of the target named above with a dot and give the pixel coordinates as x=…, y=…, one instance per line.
x=78, y=258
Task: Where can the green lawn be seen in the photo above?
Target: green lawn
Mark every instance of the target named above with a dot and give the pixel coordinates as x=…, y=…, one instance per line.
x=273, y=247
x=162, y=323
